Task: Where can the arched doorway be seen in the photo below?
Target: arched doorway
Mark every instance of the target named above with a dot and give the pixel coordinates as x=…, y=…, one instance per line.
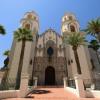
x=50, y=76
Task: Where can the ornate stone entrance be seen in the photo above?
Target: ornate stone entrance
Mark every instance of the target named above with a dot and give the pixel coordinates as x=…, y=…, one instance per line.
x=50, y=76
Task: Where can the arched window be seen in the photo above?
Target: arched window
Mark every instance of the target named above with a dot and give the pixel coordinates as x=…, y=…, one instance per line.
x=72, y=28
x=40, y=46
x=27, y=26
x=65, y=19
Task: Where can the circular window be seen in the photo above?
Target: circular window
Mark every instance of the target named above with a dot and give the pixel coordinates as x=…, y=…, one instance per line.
x=50, y=51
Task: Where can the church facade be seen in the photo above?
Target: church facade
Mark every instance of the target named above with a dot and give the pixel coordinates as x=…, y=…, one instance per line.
x=47, y=57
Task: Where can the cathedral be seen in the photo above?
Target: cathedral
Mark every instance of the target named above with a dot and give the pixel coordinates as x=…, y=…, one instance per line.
x=47, y=58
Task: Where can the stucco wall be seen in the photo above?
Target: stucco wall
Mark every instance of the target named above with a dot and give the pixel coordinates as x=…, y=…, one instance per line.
x=9, y=94
x=92, y=93
x=72, y=90
x=15, y=62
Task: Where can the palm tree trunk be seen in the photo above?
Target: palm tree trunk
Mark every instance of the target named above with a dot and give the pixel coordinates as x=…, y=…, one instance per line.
x=65, y=62
x=98, y=57
x=77, y=62
x=99, y=36
x=20, y=65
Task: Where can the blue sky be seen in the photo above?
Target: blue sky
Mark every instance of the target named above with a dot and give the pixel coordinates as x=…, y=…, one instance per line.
x=50, y=13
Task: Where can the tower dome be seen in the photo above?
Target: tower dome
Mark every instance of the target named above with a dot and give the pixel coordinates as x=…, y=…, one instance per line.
x=68, y=16
x=31, y=15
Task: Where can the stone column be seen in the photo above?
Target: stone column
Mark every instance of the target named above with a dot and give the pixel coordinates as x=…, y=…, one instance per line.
x=23, y=86
x=0, y=79
x=36, y=80
x=65, y=82
x=79, y=86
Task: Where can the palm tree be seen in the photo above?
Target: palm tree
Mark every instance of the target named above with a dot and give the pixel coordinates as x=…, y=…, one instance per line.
x=95, y=46
x=75, y=40
x=93, y=28
x=6, y=53
x=23, y=35
x=2, y=30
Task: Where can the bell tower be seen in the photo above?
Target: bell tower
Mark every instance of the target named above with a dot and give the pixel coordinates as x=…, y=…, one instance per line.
x=31, y=21
x=69, y=24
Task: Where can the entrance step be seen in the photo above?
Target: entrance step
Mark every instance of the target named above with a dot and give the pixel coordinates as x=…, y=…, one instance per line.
x=50, y=86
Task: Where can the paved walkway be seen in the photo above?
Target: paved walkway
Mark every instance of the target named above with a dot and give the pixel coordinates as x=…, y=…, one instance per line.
x=51, y=94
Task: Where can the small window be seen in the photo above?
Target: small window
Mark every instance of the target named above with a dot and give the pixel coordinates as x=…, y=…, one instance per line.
x=40, y=46
x=69, y=62
x=31, y=62
x=72, y=28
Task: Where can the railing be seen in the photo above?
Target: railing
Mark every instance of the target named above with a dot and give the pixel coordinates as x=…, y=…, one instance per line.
x=91, y=84
x=87, y=83
x=8, y=84
x=71, y=83
x=32, y=85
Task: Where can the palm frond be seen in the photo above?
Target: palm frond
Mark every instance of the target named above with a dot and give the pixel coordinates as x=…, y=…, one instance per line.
x=2, y=30
x=94, y=44
x=23, y=34
x=6, y=53
x=93, y=27
x=75, y=39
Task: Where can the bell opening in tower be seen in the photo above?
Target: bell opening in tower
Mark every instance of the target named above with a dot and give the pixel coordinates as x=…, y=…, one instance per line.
x=72, y=28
